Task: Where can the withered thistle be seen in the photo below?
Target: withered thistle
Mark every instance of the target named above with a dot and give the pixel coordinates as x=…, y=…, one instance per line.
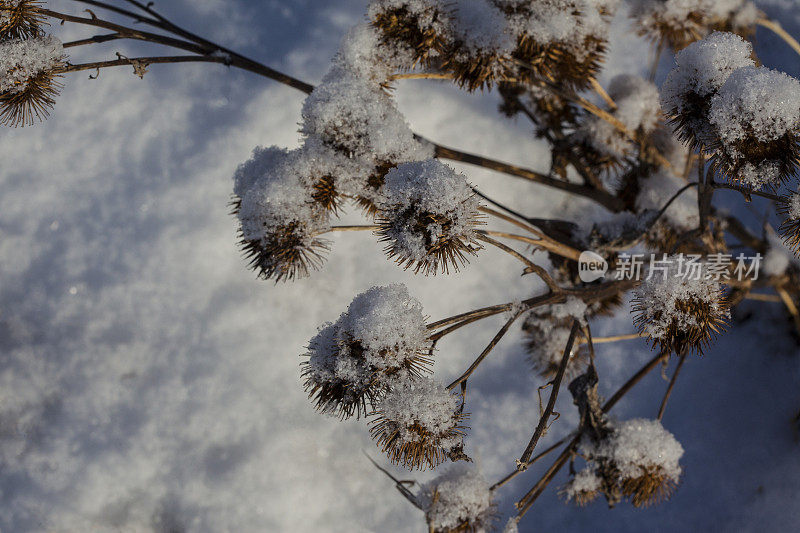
x=20, y=19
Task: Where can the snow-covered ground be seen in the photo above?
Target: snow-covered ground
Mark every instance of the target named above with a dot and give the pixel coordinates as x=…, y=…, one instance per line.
x=148, y=381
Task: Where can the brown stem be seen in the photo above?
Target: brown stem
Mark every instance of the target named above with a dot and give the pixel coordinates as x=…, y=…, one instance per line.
x=139, y=60
x=548, y=244
x=522, y=464
x=667, y=394
x=530, y=266
x=747, y=192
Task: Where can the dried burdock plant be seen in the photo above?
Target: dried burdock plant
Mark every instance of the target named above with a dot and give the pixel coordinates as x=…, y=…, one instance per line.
x=638, y=176
x=419, y=424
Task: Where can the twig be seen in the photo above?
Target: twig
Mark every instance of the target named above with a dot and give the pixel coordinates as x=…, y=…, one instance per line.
x=531, y=267
x=139, y=60
x=485, y=351
x=667, y=394
x=421, y=76
x=548, y=244
x=780, y=32
x=522, y=463
x=604, y=340
x=746, y=192
x=603, y=94
x=790, y=305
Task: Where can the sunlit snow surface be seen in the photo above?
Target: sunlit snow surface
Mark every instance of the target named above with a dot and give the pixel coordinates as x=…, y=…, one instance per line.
x=148, y=381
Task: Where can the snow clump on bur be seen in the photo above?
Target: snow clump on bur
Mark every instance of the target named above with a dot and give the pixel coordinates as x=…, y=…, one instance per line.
x=418, y=424
x=459, y=496
x=428, y=214
x=381, y=341
x=482, y=29
x=365, y=54
x=700, y=71
x=582, y=485
x=640, y=444
x=360, y=119
x=680, y=307
x=22, y=60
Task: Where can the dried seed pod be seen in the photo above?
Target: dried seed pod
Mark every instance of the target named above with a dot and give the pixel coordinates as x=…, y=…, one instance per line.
x=583, y=488
x=20, y=19
x=419, y=424
x=676, y=23
x=29, y=74
x=422, y=26
x=427, y=217
x=652, y=485
x=458, y=501
x=380, y=341
x=678, y=311
x=756, y=117
x=546, y=337
x=701, y=70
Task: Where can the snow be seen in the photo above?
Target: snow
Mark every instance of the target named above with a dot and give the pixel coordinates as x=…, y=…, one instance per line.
x=756, y=103
x=148, y=378
x=656, y=190
x=585, y=481
x=794, y=206
x=364, y=53
x=482, y=28
x=23, y=59
x=640, y=443
x=459, y=494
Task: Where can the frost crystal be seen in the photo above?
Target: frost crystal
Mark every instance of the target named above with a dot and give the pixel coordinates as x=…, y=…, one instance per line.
x=639, y=444
x=22, y=60
x=459, y=496
x=794, y=206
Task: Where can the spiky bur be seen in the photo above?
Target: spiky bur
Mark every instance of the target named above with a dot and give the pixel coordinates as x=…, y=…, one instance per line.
x=641, y=457
x=700, y=71
x=735, y=16
x=423, y=26
x=560, y=41
x=20, y=19
x=419, y=424
x=427, y=216
x=790, y=227
x=380, y=342
x=756, y=118
x=281, y=213
x=678, y=308
x=29, y=78
x=583, y=488
x=547, y=330
x=458, y=501
x=677, y=23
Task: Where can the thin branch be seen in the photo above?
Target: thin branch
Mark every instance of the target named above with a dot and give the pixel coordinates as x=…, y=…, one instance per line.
x=776, y=28
x=531, y=267
x=602, y=93
x=667, y=394
x=607, y=200
x=511, y=220
x=485, y=351
x=420, y=76
x=615, y=338
x=94, y=40
x=548, y=244
x=522, y=463
x=746, y=192
x=125, y=61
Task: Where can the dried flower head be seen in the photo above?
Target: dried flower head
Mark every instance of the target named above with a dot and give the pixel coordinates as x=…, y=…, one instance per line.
x=756, y=118
x=790, y=228
x=547, y=330
x=379, y=342
x=676, y=23
x=583, y=488
x=700, y=71
x=680, y=308
x=458, y=501
x=281, y=214
x=641, y=458
x=427, y=217
x=422, y=25
x=419, y=424
x=735, y=16
x=20, y=19
x=29, y=78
